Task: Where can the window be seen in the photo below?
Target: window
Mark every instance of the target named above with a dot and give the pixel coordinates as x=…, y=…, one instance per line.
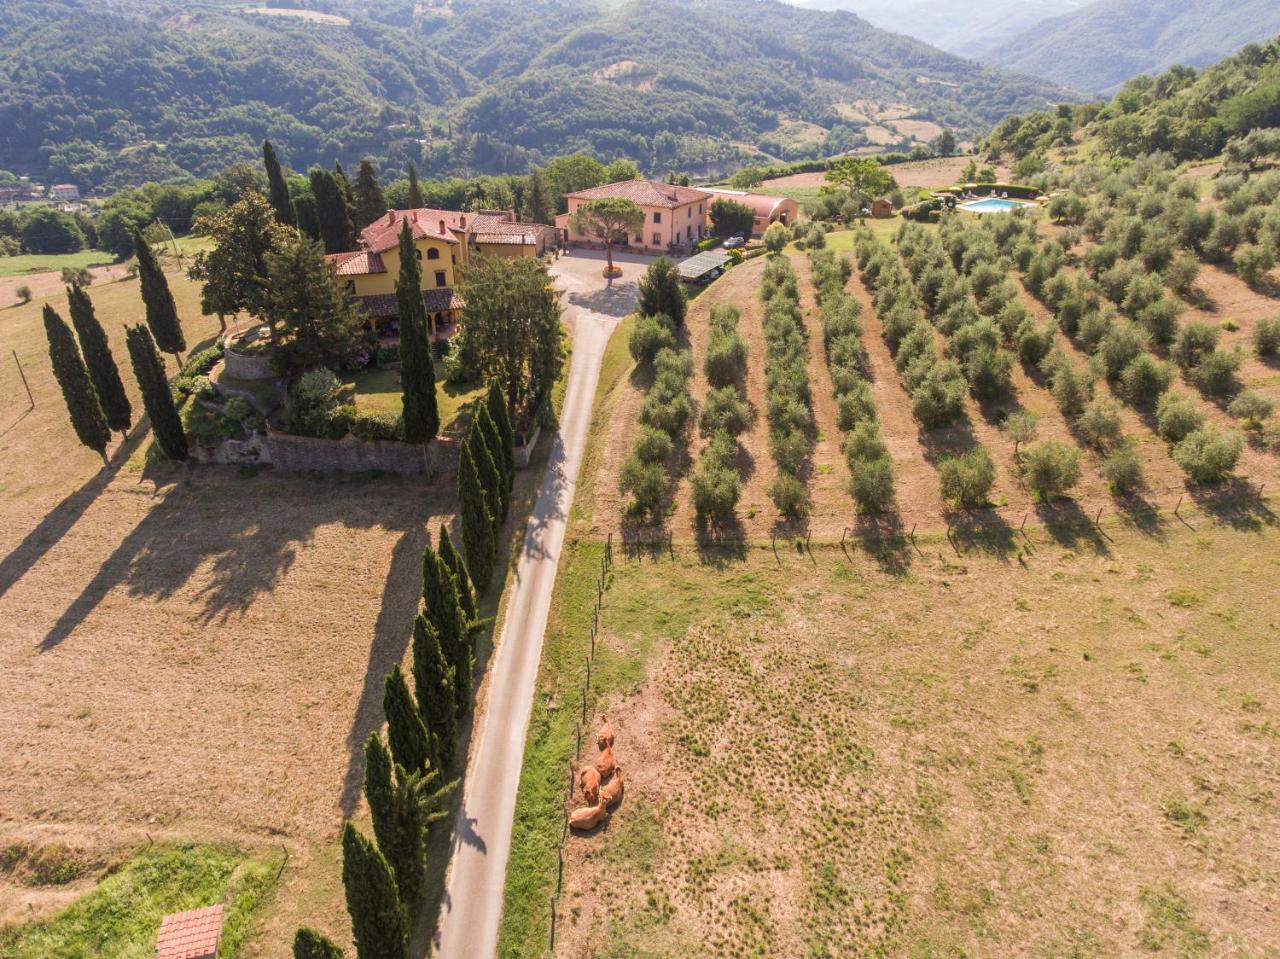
x=433, y=254
x=688, y=232
x=440, y=278
x=417, y=254
x=657, y=217
x=657, y=239
x=351, y=287
x=690, y=213
x=639, y=241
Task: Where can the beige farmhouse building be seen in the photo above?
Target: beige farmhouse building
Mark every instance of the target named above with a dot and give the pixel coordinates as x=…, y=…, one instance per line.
x=675, y=217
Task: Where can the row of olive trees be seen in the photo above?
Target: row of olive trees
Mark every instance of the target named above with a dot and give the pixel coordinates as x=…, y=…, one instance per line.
x=867, y=456
x=726, y=414
x=789, y=401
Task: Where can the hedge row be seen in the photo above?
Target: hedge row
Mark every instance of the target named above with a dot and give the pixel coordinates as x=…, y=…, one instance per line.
x=726, y=413
x=790, y=403
x=870, y=468
x=664, y=415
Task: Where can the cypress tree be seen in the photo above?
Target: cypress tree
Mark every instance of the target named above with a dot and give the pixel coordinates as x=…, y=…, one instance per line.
x=308, y=218
x=412, y=745
x=490, y=476
x=101, y=365
x=162, y=312
x=417, y=371
x=537, y=199
x=157, y=399
x=397, y=824
x=415, y=191
x=277, y=189
x=461, y=578
x=477, y=523
x=332, y=212
x=87, y=418
x=309, y=944
x=377, y=920
x=340, y=175
x=433, y=679
x=488, y=431
x=502, y=420
x=444, y=612
x=370, y=202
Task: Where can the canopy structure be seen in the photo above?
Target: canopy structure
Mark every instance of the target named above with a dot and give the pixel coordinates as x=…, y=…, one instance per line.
x=700, y=266
x=190, y=935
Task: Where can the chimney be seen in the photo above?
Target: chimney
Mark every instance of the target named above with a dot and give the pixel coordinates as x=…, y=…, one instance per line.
x=462, y=222
x=442, y=227
x=511, y=214
x=415, y=216
x=391, y=216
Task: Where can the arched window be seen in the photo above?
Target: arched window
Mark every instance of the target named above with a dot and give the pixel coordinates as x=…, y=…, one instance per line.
x=417, y=254
x=433, y=254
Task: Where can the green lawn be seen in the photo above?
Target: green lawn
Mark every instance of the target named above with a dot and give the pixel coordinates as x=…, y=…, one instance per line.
x=120, y=918
x=380, y=390
x=44, y=262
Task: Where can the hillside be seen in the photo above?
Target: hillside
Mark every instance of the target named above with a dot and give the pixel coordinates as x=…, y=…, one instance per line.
x=1102, y=45
x=953, y=25
x=1187, y=113
x=152, y=88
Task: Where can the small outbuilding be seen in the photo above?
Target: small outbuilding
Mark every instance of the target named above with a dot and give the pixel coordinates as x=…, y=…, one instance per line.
x=703, y=267
x=190, y=935
x=882, y=208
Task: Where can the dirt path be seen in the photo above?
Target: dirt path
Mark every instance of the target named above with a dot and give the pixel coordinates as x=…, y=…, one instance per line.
x=915, y=481
x=482, y=832
x=46, y=284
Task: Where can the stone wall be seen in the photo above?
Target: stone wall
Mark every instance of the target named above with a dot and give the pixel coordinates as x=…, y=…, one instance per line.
x=306, y=454
x=248, y=366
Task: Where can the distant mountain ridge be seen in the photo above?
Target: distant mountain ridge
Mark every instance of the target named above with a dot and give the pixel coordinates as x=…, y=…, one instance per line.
x=1097, y=48
x=111, y=94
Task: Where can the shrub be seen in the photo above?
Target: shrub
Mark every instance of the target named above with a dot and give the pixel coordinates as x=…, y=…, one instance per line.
x=668, y=413
x=967, y=479
x=1034, y=341
x=1251, y=407
x=1145, y=379
x=645, y=482
x=198, y=364
x=1161, y=320
x=1253, y=262
x=1072, y=389
x=1216, y=372
x=988, y=372
x=938, y=400
x=865, y=442
x=23, y=293
x=1194, y=342
x=1208, y=456
x=1177, y=416
x=726, y=359
x=716, y=487
x=726, y=410
x=1181, y=274
x=310, y=402
x=1051, y=468
x=653, y=445
x=854, y=406
x=1266, y=337
x=775, y=238
x=1093, y=327
x=871, y=484
x=649, y=335
x=375, y=425
x=1123, y=470
x=789, y=495
x=789, y=448
x=1099, y=424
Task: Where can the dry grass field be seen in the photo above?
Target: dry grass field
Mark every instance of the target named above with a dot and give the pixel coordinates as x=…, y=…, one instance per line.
x=1051, y=740
x=183, y=662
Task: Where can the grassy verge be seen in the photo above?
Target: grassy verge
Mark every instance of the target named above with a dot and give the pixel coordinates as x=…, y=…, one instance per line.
x=120, y=918
x=43, y=262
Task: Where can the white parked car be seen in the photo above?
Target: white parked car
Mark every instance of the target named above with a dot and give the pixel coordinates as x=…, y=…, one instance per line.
x=734, y=241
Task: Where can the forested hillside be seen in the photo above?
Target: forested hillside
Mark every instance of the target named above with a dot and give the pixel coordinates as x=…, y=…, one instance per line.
x=147, y=89
x=1187, y=113
x=1099, y=47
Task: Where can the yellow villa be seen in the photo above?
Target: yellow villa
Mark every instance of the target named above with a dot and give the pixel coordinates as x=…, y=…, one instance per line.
x=443, y=241
x=674, y=216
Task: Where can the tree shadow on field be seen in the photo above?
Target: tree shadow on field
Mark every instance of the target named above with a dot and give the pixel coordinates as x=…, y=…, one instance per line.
x=60, y=520
x=721, y=544
x=1067, y=523
x=1236, y=503
x=984, y=530
x=882, y=537
x=618, y=300
x=243, y=535
x=391, y=633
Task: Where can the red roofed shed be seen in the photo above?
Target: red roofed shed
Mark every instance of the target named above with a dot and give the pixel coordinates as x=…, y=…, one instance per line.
x=190, y=935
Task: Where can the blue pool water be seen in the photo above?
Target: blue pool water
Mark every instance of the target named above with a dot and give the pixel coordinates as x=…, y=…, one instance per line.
x=991, y=204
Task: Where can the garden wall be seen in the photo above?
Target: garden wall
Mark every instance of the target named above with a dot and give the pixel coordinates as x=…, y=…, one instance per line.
x=307, y=454
x=244, y=366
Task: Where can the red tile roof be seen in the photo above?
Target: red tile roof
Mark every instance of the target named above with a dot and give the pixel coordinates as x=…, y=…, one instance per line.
x=384, y=304
x=356, y=263
x=190, y=935
x=644, y=192
x=384, y=233
x=761, y=205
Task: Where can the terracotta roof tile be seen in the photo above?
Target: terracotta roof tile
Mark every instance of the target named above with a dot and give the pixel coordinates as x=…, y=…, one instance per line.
x=384, y=233
x=357, y=263
x=190, y=935
x=384, y=304
x=644, y=192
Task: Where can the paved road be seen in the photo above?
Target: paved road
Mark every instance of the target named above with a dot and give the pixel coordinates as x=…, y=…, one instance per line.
x=482, y=833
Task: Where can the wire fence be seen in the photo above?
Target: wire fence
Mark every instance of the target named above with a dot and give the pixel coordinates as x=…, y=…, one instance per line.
x=602, y=585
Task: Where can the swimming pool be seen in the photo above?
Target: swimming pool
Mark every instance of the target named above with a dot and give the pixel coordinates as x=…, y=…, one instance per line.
x=991, y=204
